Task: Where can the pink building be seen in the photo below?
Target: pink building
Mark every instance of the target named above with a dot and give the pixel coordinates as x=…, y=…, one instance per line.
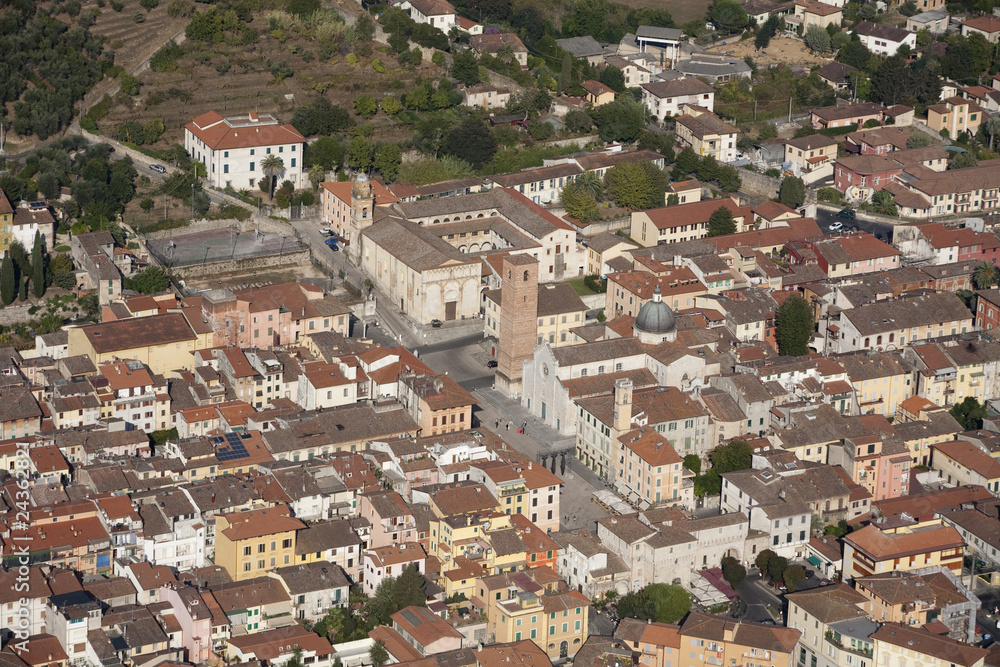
x=272, y=315
x=391, y=518
x=195, y=619
x=881, y=467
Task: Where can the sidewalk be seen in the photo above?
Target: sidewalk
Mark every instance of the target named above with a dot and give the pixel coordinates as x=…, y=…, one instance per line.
x=579, y=482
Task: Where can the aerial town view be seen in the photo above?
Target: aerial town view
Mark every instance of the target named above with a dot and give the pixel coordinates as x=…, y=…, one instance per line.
x=500, y=333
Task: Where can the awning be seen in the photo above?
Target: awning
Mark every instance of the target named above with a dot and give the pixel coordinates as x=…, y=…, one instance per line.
x=815, y=561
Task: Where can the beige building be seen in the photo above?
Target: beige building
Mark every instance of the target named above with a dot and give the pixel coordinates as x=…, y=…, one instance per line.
x=685, y=222
x=809, y=153
x=597, y=93
x=162, y=342
x=872, y=550
x=706, y=134
x=560, y=310
x=897, y=644
x=604, y=248
x=813, y=12
x=485, y=96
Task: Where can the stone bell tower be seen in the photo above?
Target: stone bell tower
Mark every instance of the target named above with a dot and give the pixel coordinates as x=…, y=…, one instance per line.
x=362, y=212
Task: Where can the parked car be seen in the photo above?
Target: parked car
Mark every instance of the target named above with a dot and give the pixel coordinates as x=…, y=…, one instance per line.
x=326, y=231
x=436, y=324
x=332, y=242
x=492, y=363
x=847, y=213
x=158, y=168
x=836, y=226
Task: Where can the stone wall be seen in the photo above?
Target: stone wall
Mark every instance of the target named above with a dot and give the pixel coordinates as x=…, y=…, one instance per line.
x=758, y=184
x=245, y=265
x=264, y=224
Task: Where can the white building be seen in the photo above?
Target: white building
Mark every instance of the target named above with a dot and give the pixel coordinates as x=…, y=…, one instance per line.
x=884, y=39
x=438, y=13
x=34, y=218
x=664, y=99
x=232, y=149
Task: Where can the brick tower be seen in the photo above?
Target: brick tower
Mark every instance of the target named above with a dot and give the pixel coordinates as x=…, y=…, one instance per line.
x=518, y=317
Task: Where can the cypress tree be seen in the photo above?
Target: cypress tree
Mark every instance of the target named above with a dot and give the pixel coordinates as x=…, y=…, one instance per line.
x=7, y=280
x=38, y=267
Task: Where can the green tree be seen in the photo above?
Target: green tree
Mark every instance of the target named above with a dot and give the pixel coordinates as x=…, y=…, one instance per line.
x=817, y=39
x=763, y=558
x=378, y=654
x=794, y=326
x=919, y=140
x=855, y=54
x=387, y=159
x=465, y=67
x=721, y=222
x=578, y=121
x=38, y=267
x=409, y=589
x=969, y=413
x=728, y=15
x=365, y=106
x=629, y=186
x=962, y=160
x=733, y=572
x=471, y=141
x=391, y=105
x=776, y=567
x=272, y=166
x=578, y=202
x=359, y=153
x=7, y=280
x=326, y=152
x=766, y=31
x=793, y=576
x=792, y=192
x=985, y=275
x=733, y=456
x=150, y=280
x=728, y=178
x=622, y=120
x=693, y=463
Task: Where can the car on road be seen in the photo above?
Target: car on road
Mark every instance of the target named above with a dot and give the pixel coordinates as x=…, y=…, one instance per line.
x=158, y=168
x=492, y=363
x=767, y=621
x=326, y=231
x=436, y=324
x=332, y=242
x=836, y=226
x=847, y=214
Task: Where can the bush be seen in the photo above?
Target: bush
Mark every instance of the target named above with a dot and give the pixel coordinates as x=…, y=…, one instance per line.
x=596, y=284
x=438, y=59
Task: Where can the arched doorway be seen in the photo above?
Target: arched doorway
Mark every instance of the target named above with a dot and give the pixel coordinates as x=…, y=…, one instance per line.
x=563, y=649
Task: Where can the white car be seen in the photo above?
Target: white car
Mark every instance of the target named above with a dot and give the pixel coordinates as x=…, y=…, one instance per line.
x=837, y=226
x=326, y=231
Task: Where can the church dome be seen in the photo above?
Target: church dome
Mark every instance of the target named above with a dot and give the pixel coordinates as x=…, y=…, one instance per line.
x=655, y=317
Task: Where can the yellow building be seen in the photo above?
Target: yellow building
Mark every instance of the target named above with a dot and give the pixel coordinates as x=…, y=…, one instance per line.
x=713, y=640
x=437, y=404
x=956, y=115
x=871, y=550
x=650, y=470
x=908, y=598
x=252, y=543
x=556, y=622
x=810, y=152
x=897, y=644
x=597, y=93
x=164, y=343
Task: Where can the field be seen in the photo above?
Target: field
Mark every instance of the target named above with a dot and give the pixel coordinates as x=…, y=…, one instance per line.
x=782, y=50
x=682, y=11
x=133, y=42
x=236, y=79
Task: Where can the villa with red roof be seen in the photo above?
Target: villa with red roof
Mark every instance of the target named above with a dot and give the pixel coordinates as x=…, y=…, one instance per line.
x=232, y=148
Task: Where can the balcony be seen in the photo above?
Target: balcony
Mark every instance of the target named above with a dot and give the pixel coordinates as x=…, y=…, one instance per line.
x=837, y=640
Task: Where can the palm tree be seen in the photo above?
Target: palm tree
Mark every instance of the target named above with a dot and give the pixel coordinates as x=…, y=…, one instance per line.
x=992, y=127
x=591, y=183
x=272, y=166
x=505, y=53
x=985, y=275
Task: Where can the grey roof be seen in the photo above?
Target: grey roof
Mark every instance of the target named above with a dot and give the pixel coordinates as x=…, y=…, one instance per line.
x=907, y=312
x=712, y=68
x=581, y=47
x=326, y=535
x=653, y=32
x=601, y=350
x=312, y=577
x=412, y=245
x=603, y=242
x=655, y=316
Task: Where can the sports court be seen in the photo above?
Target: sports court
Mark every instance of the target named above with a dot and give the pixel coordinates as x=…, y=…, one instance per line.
x=220, y=245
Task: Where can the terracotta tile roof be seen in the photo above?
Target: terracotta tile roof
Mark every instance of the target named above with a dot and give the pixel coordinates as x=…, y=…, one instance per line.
x=219, y=134
x=257, y=523
x=922, y=642
x=882, y=546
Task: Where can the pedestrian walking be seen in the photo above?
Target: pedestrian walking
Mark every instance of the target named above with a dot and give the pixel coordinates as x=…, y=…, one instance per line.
x=508, y=425
x=497, y=426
